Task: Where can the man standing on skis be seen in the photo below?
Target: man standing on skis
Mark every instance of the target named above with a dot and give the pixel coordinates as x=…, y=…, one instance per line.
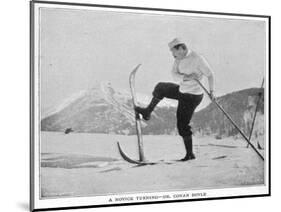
x=187, y=69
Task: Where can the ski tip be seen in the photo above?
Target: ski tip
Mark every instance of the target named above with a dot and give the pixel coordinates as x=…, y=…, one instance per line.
x=136, y=68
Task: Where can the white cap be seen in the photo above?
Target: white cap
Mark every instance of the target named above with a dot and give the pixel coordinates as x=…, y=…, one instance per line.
x=175, y=42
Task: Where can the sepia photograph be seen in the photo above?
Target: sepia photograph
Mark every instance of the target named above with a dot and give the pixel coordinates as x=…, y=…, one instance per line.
x=144, y=105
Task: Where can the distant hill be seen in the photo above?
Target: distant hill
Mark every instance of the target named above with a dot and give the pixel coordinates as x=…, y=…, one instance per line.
x=104, y=109
x=240, y=105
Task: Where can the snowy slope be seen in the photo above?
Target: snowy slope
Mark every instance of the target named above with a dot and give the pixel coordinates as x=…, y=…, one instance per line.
x=89, y=164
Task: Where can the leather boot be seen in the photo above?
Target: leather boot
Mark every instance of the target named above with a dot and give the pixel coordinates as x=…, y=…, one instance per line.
x=146, y=112
x=188, y=147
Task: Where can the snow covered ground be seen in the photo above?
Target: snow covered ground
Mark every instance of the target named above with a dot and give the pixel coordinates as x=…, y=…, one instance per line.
x=89, y=165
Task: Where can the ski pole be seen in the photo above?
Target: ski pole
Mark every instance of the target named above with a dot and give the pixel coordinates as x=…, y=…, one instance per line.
x=230, y=119
x=254, y=119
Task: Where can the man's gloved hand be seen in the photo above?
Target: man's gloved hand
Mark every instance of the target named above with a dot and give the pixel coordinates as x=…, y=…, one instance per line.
x=212, y=95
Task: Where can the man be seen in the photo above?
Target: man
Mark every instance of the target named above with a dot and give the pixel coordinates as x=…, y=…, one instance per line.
x=188, y=67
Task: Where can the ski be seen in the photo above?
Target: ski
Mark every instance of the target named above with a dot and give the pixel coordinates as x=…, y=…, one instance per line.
x=143, y=163
x=141, y=160
x=126, y=158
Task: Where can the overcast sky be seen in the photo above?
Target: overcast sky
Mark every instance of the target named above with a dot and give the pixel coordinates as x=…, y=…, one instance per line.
x=80, y=48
